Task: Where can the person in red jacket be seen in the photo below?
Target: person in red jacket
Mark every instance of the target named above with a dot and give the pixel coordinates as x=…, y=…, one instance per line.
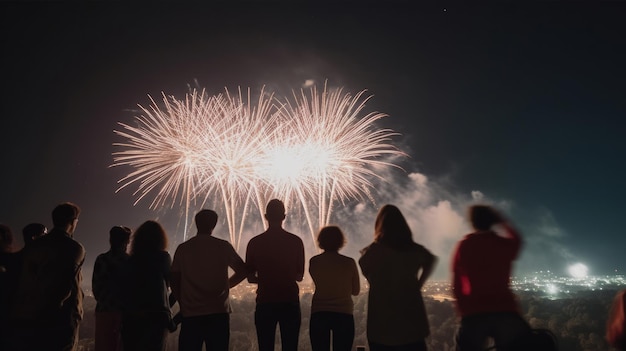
x=481, y=268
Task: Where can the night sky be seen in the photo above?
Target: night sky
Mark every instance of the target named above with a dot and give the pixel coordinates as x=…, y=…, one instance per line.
x=520, y=106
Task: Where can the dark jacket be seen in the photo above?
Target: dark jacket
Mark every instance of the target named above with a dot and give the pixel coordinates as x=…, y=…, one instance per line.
x=107, y=281
x=146, y=283
x=49, y=290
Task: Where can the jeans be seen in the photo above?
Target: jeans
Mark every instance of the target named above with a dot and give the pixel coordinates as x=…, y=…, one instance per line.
x=506, y=329
x=286, y=315
x=56, y=337
x=340, y=324
x=145, y=331
x=212, y=330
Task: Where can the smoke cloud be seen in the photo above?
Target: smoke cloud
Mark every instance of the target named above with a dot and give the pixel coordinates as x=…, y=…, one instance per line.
x=436, y=216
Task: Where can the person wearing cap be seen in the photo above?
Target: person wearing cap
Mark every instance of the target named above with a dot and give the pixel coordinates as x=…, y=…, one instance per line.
x=275, y=261
x=108, y=290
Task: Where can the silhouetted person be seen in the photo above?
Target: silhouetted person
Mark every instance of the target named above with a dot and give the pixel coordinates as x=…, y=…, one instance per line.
x=200, y=283
x=396, y=268
x=49, y=301
x=147, y=316
x=178, y=317
x=33, y=231
x=481, y=269
x=9, y=273
x=336, y=279
x=616, y=323
x=108, y=288
x=275, y=261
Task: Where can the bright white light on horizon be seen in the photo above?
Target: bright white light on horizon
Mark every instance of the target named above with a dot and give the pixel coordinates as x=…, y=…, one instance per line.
x=578, y=270
x=552, y=289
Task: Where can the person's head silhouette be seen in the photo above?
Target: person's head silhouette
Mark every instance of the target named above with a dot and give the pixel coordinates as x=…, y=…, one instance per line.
x=6, y=238
x=275, y=212
x=119, y=238
x=331, y=239
x=391, y=228
x=206, y=220
x=65, y=216
x=33, y=231
x=483, y=217
x=149, y=238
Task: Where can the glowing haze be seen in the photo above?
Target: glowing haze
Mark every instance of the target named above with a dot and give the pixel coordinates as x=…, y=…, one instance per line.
x=311, y=150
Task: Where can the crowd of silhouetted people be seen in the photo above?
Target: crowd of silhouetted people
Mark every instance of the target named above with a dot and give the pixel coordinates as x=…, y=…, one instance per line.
x=137, y=282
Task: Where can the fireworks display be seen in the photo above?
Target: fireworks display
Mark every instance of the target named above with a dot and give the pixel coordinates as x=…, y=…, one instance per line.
x=310, y=150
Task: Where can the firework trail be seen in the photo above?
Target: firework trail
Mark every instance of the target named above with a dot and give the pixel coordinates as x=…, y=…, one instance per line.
x=233, y=146
x=163, y=149
x=310, y=150
x=333, y=150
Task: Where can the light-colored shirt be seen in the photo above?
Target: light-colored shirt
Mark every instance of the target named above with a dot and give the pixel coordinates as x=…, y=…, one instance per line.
x=203, y=263
x=336, y=279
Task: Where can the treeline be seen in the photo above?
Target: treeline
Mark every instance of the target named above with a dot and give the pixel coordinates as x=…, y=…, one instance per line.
x=578, y=322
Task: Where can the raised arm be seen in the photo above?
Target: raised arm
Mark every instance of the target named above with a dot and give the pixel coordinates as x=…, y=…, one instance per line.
x=510, y=233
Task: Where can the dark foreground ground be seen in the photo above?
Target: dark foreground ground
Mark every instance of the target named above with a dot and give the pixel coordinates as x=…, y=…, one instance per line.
x=578, y=321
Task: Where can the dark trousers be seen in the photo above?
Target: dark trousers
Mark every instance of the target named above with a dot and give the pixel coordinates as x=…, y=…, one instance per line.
x=212, y=330
x=55, y=337
x=287, y=316
x=108, y=331
x=415, y=346
x=341, y=325
x=144, y=331
x=506, y=329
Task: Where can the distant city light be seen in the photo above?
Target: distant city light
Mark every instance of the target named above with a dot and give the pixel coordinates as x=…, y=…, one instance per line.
x=578, y=270
x=552, y=289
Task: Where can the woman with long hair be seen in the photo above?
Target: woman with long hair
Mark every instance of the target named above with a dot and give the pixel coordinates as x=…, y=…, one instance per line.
x=147, y=314
x=396, y=268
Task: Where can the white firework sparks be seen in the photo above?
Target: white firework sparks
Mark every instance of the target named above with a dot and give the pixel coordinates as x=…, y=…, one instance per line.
x=310, y=151
x=334, y=150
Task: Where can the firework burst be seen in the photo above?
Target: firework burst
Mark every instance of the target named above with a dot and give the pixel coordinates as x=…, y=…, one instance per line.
x=310, y=150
